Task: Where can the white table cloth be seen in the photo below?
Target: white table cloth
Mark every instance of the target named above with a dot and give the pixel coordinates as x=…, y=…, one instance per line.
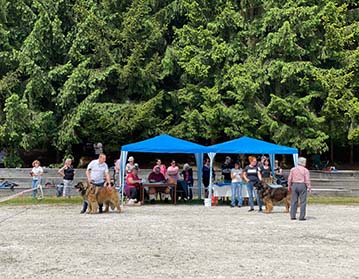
x=224, y=190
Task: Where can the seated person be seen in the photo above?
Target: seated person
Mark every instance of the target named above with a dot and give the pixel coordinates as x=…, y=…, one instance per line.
x=132, y=187
x=155, y=177
x=278, y=172
x=277, y=169
x=187, y=174
x=163, y=168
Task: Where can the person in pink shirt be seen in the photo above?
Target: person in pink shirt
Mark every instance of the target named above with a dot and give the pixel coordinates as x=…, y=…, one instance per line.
x=299, y=184
x=173, y=171
x=163, y=169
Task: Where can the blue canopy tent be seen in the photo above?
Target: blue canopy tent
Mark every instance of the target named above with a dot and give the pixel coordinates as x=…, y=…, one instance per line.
x=247, y=145
x=164, y=144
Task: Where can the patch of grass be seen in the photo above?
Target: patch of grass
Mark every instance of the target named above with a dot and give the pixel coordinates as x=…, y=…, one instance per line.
x=78, y=200
x=47, y=200
x=333, y=200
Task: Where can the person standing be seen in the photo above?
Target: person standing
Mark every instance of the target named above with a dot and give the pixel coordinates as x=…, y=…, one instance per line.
x=206, y=176
x=163, y=168
x=173, y=172
x=68, y=173
x=97, y=174
x=236, y=186
x=117, y=172
x=252, y=175
x=173, y=176
x=299, y=184
x=98, y=147
x=36, y=173
x=266, y=171
x=187, y=175
x=227, y=166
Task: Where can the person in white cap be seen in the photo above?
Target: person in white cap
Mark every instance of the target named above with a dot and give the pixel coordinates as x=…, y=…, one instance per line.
x=130, y=165
x=299, y=184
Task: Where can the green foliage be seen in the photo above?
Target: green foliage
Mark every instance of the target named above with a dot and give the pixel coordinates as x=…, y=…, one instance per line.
x=22, y=129
x=120, y=71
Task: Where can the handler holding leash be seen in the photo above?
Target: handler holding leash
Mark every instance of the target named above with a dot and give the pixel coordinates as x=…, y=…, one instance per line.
x=97, y=172
x=299, y=184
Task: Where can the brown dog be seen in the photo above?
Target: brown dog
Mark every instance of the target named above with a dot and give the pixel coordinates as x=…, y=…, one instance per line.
x=85, y=189
x=271, y=195
x=105, y=195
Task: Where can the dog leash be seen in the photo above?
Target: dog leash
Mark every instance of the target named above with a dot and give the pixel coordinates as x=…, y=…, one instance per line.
x=23, y=192
x=14, y=215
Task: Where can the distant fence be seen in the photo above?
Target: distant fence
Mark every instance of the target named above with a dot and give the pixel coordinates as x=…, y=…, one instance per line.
x=340, y=183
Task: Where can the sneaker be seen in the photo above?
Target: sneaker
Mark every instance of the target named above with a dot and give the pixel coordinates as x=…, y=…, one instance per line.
x=303, y=219
x=131, y=202
x=260, y=210
x=293, y=218
x=82, y=211
x=239, y=206
x=232, y=205
x=250, y=210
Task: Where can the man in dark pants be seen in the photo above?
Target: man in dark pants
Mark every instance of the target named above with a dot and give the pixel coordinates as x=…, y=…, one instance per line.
x=227, y=166
x=97, y=173
x=299, y=184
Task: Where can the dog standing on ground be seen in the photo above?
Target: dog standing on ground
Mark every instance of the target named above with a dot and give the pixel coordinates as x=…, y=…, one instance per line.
x=85, y=189
x=105, y=195
x=271, y=195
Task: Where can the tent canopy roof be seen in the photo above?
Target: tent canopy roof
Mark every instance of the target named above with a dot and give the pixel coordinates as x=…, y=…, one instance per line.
x=164, y=144
x=246, y=145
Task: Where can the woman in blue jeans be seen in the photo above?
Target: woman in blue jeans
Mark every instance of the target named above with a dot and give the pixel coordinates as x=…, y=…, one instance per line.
x=251, y=175
x=236, y=186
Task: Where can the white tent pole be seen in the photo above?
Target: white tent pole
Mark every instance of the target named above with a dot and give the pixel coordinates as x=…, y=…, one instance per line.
x=271, y=160
x=295, y=159
x=211, y=156
x=199, y=162
x=123, y=160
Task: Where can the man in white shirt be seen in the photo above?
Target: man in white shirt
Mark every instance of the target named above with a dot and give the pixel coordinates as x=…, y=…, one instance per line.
x=97, y=174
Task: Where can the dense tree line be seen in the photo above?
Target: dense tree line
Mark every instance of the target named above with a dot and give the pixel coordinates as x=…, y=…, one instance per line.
x=118, y=71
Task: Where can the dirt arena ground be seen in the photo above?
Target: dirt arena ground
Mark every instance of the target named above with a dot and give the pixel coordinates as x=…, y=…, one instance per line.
x=166, y=241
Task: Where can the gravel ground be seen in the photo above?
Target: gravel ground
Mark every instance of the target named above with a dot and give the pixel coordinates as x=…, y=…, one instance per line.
x=166, y=241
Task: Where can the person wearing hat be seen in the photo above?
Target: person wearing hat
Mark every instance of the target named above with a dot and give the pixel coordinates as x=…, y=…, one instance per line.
x=130, y=165
x=155, y=177
x=299, y=184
